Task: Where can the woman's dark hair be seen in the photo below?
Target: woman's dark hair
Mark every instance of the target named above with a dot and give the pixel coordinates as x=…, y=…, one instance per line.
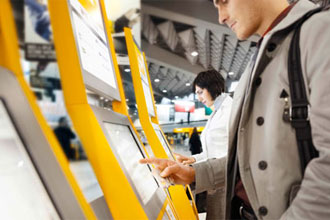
x=212, y=81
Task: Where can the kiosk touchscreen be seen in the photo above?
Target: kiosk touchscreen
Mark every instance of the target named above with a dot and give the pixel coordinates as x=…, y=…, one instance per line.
x=85, y=61
x=146, y=86
x=164, y=142
x=128, y=150
x=91, y=40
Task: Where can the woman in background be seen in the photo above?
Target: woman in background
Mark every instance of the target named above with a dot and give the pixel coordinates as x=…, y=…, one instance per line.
x=209, y=88
x=195, y=145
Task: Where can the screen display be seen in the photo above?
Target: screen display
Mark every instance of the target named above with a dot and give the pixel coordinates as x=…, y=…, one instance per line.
x=130, y=154
x=23, y=195
x=95, y=56
x=145, y=82
x=164, y=144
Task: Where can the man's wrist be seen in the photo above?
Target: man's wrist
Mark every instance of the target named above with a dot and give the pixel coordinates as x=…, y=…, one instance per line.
x=192, y=174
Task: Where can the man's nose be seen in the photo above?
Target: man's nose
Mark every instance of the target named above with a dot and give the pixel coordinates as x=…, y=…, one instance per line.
x=222, y=14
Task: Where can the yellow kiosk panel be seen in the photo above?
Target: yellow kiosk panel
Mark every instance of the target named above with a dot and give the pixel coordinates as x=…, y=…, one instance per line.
x=148, y=117
x=126, y=197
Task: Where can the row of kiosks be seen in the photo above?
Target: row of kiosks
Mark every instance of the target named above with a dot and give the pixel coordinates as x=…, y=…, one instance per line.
x=35, y=177
x=87, y=61
x=148, y=118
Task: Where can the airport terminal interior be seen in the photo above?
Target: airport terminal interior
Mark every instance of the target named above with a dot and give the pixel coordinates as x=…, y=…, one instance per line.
x=90, y=87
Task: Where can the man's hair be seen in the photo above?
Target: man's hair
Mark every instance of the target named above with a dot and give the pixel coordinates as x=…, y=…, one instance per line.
x=212, y=81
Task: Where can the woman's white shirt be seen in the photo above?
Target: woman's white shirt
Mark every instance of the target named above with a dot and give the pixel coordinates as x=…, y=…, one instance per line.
x=214, y=137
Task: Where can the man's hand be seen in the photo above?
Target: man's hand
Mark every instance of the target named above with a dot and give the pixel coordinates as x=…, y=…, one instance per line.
x=184, y=160
x=179, y=173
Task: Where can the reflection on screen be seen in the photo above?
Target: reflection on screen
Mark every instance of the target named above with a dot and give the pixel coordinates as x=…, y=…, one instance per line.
x=86, y=179
x=23, y=195
x=145, y=81
x=129, y=153
x=91, y=38
x=148, y=97
x=164, y=144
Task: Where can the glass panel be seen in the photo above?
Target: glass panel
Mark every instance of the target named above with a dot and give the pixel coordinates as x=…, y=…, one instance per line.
x=130, y=154
x=23, y=195
x=164, y=144
x=86, y=178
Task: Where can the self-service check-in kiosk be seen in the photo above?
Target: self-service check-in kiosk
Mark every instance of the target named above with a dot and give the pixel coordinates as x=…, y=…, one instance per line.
x=149, y=123
x=35, y=178
x=111, y=143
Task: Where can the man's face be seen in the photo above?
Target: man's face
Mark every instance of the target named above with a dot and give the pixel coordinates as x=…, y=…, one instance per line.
x=242, y=16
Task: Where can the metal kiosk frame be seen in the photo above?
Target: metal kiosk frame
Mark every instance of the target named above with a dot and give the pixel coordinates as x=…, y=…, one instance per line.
x=40, y=144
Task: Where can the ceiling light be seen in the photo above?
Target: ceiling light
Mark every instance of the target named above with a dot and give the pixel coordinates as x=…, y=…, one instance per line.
x=231, y=73
x=194, y=53
x=156, y=80
x=187, y=84
x=127, y=70
x=101, y=98
x=176, y=97
x=127, y=100
x=164, y=91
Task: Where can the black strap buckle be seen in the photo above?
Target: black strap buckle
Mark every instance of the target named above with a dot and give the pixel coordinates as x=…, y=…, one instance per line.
x=299, y=114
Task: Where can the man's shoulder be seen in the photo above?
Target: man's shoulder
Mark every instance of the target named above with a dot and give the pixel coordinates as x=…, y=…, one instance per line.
x=299, y=10
x=319, y=19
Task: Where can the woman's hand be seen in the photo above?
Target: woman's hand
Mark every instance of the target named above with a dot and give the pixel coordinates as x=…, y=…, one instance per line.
x=184, y=159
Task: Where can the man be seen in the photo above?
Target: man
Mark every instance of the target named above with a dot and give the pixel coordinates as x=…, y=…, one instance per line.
x=263, y=173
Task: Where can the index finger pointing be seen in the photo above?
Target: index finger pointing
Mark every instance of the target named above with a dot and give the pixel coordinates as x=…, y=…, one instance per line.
x=150, y=161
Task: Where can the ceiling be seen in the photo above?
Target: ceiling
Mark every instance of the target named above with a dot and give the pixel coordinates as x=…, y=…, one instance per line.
x=174, y=30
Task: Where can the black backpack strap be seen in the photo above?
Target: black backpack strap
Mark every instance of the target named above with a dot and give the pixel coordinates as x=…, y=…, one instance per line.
x=299, y=103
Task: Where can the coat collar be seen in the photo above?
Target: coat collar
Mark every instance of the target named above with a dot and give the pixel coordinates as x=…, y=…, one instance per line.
x=219, y=100
x=298, y=11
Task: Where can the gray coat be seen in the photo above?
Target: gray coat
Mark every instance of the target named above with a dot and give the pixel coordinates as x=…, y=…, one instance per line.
x=266, y=144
